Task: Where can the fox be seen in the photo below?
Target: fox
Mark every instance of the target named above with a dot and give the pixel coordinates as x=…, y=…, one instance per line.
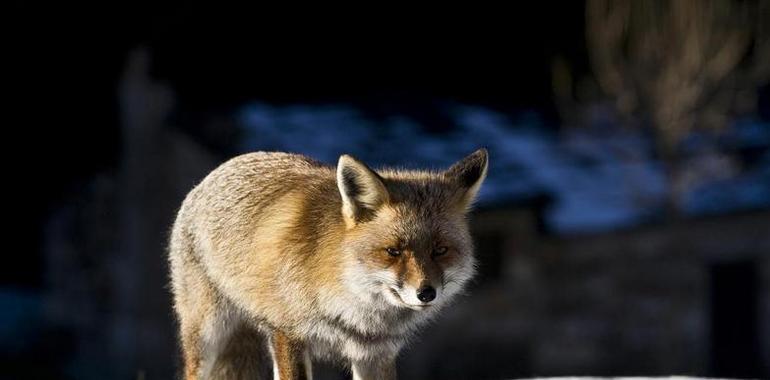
x=277, y=260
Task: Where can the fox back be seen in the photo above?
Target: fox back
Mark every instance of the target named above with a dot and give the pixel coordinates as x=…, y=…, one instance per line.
x=276, y=253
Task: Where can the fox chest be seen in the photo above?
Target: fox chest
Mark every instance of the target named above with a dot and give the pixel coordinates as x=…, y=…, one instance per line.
x=359, y=337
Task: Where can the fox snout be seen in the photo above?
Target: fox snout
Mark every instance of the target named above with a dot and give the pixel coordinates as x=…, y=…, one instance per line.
x=426, y=293
x=415, y=298
x=423, y=294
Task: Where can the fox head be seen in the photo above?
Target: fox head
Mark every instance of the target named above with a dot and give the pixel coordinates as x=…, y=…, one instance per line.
x=407, y=238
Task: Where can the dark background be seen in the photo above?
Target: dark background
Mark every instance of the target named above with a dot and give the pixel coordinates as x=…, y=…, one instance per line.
x=65, y=129
x=68, y=63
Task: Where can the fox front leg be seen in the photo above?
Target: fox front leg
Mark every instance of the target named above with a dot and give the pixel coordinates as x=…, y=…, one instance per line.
x=291, y=361
x=371, y=370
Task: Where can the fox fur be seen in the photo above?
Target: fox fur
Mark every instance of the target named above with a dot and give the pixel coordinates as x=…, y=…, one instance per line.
x=276, y=257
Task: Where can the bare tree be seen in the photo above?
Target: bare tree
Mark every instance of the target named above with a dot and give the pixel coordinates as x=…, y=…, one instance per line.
x=677, y=66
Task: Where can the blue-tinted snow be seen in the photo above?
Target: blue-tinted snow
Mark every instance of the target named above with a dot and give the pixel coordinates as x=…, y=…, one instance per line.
x=748, y=190
x=598, y=180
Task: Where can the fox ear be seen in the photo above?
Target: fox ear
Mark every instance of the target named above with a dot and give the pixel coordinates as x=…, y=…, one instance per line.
x=362, y=190
x=468, y=174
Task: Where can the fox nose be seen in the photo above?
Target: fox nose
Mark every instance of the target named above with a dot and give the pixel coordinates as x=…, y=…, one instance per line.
x=426, y=294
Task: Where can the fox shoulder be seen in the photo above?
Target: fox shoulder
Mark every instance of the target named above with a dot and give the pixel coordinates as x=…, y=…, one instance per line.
x=239, y=188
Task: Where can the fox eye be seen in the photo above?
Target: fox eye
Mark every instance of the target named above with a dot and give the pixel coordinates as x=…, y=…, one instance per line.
x=395, y=252
x=440, y=251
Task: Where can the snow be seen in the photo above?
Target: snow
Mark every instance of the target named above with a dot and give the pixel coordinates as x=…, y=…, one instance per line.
x=746, y=191
x=597, y=179
x=627, y=378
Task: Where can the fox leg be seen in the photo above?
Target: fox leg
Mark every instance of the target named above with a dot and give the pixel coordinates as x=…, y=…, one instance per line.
x=217, y=342
x=190, y=338
x=370, y=370
x=194, y=300
x=291, y=360
x=196, y=308
x=241, y=354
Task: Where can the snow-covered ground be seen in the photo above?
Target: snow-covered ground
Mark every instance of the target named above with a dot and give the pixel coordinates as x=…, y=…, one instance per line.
x=598, y=180
x=628, y=378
